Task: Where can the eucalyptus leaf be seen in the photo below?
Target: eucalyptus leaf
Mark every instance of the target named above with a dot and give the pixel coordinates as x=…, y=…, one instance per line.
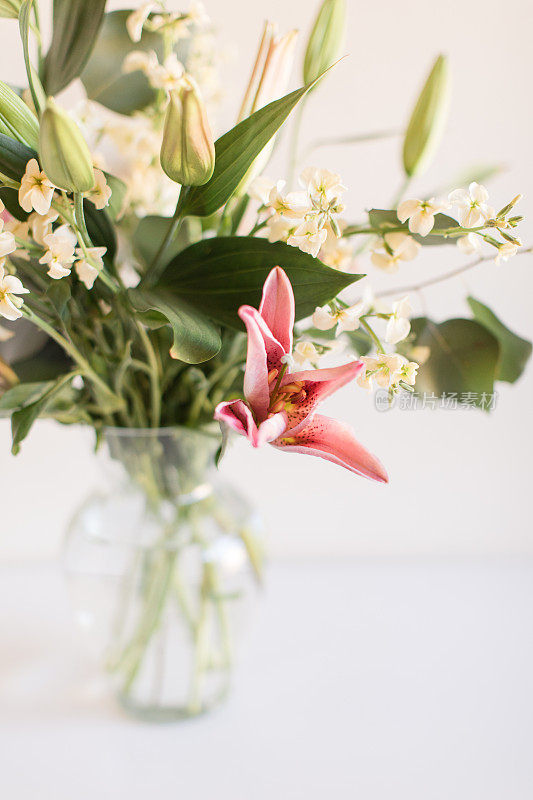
x=216, y=276
x=514, y=351
x=196, y=338
x=463, y=358
x=236, y=151
x=23, y=419
x=103, y=77
x=76, y=24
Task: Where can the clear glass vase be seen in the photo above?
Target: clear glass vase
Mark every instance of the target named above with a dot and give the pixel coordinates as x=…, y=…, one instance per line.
x=163, y=566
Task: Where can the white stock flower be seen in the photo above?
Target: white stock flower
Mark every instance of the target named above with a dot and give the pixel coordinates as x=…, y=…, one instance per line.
x=260, y=189
x=303, y=353
x=308, y=236
x=403, y=247
x=293, y=205
x=135, y=21
x=338, y=253
x=8, y=244
x=506, y=251
x=472, y=205
x=60, y=252
x=36, y=190
x=421, y=214
x=168, y=75
x=101, y=192
x=279, y=228
x=325, y=188
x=141, y=61
x=398, y=326
x=471, y=243
x=41, y=225
x=346, y=319
x=387, y=370
x=87, y=270
x=10, y=287
x=21, y=230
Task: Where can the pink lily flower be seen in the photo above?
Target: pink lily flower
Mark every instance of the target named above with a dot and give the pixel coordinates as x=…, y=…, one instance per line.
x=279, y=406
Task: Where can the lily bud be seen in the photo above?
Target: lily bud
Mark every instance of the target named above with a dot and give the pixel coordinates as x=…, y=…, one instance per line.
x=10, y=8
x=16, y=119
x=426, y=125
x=64, y=155
x=325, y=39
x=187, y=151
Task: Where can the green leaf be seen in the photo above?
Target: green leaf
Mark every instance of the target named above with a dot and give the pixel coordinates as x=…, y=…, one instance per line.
x=23, y=393
x=103, y=78
x=463, y=357
x=16, y=119
x=13, y=157
x=118, y=194
x=196, y=338
x=10, y=198
x=23, y=419
x=76, y=24
x=382, y=217
x=59, y=293
x=151, y=231
x=100, y=230
x=514, y=351
x=426, y=125
x=236, y=151
x=25, y=22
x=218, y=275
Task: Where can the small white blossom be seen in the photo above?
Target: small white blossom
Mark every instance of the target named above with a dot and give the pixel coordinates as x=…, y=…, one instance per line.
x=506, y=251
x=101, y=192
x=469, y=244
x=308, y=236
x=41, y=225
x=135, y=21
x=168, y=75
x=21, y=230
x=387, y=370
x=279, y=228
x=325, y=189
x=398, y=326
x=260, y=189
x=293, y=205
x=89, y=264
x=421, y=214
x=36, y=190
x=60, y=252
x=346, y=319
x=141, y=61
x=338, y=253
x=8, y=244
x=10, y=287
x=403, y=247
x=472, y=205
x=303, y=353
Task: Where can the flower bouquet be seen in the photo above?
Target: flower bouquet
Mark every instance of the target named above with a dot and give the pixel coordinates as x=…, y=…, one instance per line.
x=158, y=287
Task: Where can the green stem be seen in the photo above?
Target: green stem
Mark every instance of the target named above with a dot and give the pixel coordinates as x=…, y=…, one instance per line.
x=372, y=335
x=155, y=268
x=155, y=388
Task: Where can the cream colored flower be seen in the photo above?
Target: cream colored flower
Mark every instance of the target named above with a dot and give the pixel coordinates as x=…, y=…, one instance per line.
x=36, y=190
x=293, y=205
x=398, y=326
x=346, y=319
x=60, y=252
x=303, y=353
x=308, y=236
x=403, y=248
x=280, y=228
x=141, y=61
x=385, y=369
x=8, y=244
x=168, y=75
x=21, y=230
x=421, y=214
x=506, y=251
x=472, y=205
x=101, y=192
x=41, y=225
x=89, y=264
x=325, y=188
x=260, y=189
x=136, y=20
x=469, y=244
x=10, y=288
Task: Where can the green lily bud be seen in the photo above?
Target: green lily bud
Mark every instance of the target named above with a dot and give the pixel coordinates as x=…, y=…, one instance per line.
x=426, y=125
x=10, y=8
x=325, y=40
x=187, y=151
x=64, y=155
x=16, y=119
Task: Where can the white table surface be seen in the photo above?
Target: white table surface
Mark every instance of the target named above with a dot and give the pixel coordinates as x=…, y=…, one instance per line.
x=372, y=680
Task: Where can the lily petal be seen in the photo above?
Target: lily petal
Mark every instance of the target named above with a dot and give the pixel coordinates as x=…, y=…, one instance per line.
x=326, y=438
x=317, y=384
x=277, y=307
x=238, y=416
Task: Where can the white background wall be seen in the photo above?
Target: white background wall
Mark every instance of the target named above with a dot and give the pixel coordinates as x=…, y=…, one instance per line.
x=460, y=481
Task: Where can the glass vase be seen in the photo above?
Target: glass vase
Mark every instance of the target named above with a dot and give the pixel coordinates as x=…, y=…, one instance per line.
x=163, y=565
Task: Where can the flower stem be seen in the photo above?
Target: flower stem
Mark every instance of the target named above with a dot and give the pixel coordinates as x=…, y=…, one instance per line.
x=154, y=270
